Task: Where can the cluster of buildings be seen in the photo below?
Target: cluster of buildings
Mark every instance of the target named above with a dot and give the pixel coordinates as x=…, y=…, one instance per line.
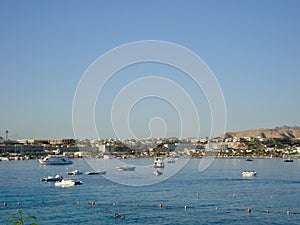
x=188, y=147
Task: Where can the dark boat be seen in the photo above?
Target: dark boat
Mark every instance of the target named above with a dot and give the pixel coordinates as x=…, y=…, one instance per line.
x=52, y=178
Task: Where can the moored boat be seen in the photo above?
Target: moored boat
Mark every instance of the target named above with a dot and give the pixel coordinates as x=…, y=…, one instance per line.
x=108, y=156
x=157, y=173
x=52, y=178
x=55, y=160
x=126, y=168
x=68, y=183
x=288, y=160
x=4, y=159
x=74, y=172
x=95, y=172
x=249, y=173
x=158, y=163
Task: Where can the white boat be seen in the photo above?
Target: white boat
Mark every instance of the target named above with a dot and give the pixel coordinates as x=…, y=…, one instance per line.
x=108, y=156
x=4, y=159
x=249, y=173
x=157, y=173
x=126, y=168
x=52, y=178
x=74, y=172
x=55, y=160
x=95, y=172
x=67, y=183
x=158, y=163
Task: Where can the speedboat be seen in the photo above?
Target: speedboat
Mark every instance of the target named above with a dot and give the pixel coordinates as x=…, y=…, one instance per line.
x=95, y=172
x=74, y=172
x=52, y=178
x=68, y=183
x=158, y=163
x=157, y=173
x=249, y=173
x=126, y=168
x=55, y=160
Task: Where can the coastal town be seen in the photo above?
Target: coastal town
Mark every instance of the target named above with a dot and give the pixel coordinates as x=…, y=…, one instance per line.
x=262, y=143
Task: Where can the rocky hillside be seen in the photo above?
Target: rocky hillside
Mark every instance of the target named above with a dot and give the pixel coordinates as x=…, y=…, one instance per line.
x=277, y=132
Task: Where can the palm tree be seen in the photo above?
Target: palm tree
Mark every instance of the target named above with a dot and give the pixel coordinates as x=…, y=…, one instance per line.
x=20, y=219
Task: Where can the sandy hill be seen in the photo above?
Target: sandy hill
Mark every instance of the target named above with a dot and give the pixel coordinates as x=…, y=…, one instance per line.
x=277, y=132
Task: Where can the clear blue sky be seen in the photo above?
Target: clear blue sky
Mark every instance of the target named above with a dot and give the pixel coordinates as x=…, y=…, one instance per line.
x=45, y=46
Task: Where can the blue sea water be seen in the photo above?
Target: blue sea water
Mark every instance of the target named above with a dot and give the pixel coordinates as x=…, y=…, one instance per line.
x=275, y=188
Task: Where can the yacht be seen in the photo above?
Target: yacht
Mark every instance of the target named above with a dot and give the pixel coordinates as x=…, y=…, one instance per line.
x=158, y=163
x=55, y=160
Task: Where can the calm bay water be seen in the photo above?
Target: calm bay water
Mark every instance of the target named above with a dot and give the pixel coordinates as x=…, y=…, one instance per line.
x=276, y=188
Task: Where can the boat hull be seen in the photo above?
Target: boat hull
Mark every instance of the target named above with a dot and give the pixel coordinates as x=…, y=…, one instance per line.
x=55, y=160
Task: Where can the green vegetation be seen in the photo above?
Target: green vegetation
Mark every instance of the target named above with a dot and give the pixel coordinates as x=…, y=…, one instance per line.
x=20, y=219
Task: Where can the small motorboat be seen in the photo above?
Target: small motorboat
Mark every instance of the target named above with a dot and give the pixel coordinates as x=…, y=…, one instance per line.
x=68, y=183
x=74, y=172
x=157, y=173
x=126, y=168
x=249, y=160
x=52, y=178
x=249, y=173
x=95, y=173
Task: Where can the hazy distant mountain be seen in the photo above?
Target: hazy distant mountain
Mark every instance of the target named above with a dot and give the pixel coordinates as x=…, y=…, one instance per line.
x=277, y=132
